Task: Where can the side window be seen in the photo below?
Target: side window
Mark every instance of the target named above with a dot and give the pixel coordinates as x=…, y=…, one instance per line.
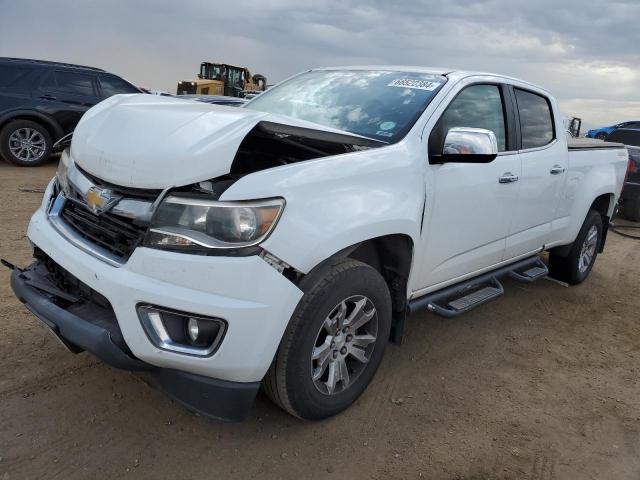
x=633, y=125
x=477, y=106
x=536, y=122
x=75, y=83
x=10, y=75
x=112, y=85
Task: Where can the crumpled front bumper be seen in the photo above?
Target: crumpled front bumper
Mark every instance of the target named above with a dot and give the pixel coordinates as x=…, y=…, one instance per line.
x=253, y=298
x=88, y=327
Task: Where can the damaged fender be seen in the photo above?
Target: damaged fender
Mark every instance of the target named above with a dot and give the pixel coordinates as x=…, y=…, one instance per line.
x=353, y=197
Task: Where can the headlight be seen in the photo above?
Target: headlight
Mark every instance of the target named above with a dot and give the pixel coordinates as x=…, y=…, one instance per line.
x=186, y=223
x=62, y=174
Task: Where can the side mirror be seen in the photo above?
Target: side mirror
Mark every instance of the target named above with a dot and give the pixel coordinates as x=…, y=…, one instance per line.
x=470, y=145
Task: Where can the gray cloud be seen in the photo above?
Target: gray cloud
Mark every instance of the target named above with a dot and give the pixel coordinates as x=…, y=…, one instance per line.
x=585, y=52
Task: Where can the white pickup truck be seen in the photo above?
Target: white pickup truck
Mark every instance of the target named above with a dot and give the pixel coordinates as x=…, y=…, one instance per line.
x=284, y=243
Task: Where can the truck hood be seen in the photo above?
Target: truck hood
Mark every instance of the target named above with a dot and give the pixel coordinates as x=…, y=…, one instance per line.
x=149, y=141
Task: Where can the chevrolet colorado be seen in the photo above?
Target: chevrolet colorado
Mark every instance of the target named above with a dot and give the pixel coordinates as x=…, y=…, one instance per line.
x=284, y=243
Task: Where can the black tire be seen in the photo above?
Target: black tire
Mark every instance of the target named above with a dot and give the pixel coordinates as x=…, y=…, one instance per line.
x=601, y=136
x=289, y=383
x=567, y=268
x=631, y=210
x=41, y=153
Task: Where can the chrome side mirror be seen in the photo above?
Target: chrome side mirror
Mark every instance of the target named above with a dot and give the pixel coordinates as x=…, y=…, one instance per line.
x=470, y=145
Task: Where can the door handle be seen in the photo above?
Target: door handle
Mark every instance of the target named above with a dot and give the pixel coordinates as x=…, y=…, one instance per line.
x=508, y=178
x=557, y=170
x=46, y=96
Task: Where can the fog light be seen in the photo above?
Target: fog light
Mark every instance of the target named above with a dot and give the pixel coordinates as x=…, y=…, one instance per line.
x=192, y=329
x=181, y=332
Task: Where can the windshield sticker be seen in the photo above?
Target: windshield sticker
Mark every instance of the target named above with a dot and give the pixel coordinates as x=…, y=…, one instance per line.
x=382, y=133
x=413, y=83
x=387, y=125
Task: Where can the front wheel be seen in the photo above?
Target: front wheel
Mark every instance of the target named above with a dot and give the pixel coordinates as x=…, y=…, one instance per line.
x=334, y=342
x=601, y=136
x=576, y=266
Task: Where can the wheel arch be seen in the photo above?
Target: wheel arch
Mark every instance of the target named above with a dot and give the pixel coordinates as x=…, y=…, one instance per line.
x=54, y=129
x=392, y=256
x=605, y=205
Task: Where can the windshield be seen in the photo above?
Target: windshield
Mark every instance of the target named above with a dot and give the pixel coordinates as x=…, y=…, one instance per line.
x=377, y=104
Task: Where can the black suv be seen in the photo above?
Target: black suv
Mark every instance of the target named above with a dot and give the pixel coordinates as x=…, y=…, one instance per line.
x=631, y=191
x=42, y=101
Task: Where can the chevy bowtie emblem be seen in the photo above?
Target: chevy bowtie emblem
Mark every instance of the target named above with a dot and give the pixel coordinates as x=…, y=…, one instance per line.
x=99, y=200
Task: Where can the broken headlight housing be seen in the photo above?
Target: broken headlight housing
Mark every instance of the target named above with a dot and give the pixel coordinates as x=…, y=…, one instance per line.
x=199, y=224
x=62, y=173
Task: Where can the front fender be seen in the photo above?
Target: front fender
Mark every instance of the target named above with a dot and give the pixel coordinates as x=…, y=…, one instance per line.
x=335, y=202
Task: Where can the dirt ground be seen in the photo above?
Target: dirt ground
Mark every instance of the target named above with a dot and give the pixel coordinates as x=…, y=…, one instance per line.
x=541, y=384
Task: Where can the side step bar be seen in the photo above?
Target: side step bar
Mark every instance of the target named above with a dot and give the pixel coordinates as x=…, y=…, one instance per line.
x=460, y=298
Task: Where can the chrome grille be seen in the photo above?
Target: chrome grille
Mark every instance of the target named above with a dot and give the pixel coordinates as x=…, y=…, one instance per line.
x=118, y=235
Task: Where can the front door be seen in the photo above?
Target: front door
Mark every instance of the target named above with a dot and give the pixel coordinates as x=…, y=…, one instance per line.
x=469, y=206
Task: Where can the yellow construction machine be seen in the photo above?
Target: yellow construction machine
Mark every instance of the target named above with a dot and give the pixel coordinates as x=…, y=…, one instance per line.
x=223, y=79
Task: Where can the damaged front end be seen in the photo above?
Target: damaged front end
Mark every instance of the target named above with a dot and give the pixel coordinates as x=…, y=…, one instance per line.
x=148, y=143
x=110, y=220
x=109, y=200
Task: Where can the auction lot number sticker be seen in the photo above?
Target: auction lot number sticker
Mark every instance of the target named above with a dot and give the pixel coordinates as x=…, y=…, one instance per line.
x=414, y=83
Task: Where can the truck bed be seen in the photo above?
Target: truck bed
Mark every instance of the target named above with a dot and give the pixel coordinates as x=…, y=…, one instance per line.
x=590, y=144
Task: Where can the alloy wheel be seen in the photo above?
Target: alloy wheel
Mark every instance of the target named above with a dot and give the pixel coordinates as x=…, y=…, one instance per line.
x=344, y=344
x=27, y=144
x=588, y=250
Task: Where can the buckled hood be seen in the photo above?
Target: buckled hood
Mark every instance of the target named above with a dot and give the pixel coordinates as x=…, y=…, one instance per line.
x=150, y=141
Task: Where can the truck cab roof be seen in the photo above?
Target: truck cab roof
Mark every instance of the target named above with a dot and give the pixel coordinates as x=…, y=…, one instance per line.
x=450, y=73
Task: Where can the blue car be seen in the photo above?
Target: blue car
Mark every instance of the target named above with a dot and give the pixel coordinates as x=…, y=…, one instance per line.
x=601, y=133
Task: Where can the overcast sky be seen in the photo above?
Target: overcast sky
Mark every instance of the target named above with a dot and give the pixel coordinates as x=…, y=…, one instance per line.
x=586, y=52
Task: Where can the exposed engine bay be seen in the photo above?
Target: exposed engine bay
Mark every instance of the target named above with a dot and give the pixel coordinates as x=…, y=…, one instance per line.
x=270, y=145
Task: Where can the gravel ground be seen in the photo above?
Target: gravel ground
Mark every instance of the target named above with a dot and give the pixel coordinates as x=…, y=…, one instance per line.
x=541, y=384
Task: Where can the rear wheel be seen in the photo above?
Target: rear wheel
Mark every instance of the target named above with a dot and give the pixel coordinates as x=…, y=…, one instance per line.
x=25, y=143
x=334, y=342
x=576, y=266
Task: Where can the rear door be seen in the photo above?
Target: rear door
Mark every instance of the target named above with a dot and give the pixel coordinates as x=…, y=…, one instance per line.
x=67, y=94
x=468, y=208
x=544, y=158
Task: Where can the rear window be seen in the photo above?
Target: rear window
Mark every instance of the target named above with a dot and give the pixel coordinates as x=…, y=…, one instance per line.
x=111, y=85
x=10, y=75
x=536, y=122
